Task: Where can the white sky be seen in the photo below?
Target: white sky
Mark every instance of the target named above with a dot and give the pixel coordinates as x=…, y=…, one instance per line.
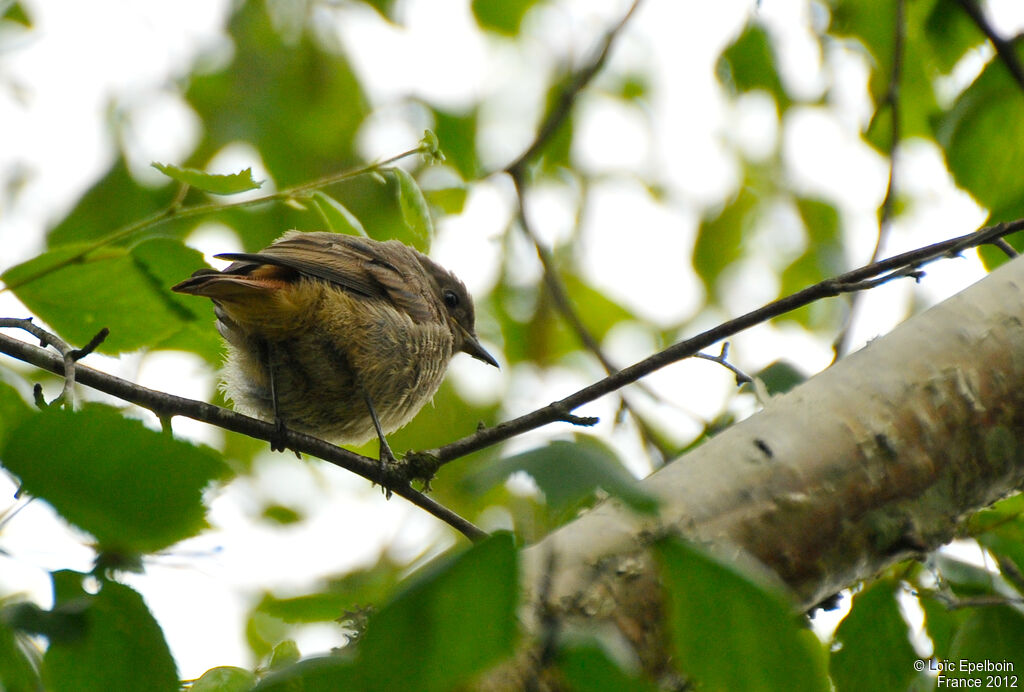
x=55, y=88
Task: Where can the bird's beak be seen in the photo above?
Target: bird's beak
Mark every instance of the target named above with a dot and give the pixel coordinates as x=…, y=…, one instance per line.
x=471, y=345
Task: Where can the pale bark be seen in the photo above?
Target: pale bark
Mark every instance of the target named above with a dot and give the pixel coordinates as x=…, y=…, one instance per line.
x=872, y=461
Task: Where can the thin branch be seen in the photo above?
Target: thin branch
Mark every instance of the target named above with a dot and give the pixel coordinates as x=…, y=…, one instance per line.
x=723, y=359
x=567, y=98
x=892, y=100
x=1004, y=48
x=165, y=405
x=517, y=171
x=175, y=211
x=899, y=266
x=70, y=356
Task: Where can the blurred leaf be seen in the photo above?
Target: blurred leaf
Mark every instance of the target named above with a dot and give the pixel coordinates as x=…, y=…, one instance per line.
x=940, y=623
x=873, y=22
x=418, y=640
x=284, y=654
x=122, y=648
x=780, y=376
x=14, y=12
x=731, y=633
x=823, y=258
x=983, y=137
x=950, y=33
x=598, y=312
x=338, y=218
x=450, y=200
x=502, y=16
x=296, y=101
x=569, y=473
x=386, y=8
x=749, y=64
x=720, y=239
x=19, y=660
x=965, y=579
x=13, y=410
x=556, y=154
x=279, y=514
x=875, y=651
x=133, y=489
x=114, y=201
x=457, y=135
x=349, y=593
x=1000, y=529
x=415, y=212
x=587, y=667
x=214, y=183
x=224, y=679
x=992, y=633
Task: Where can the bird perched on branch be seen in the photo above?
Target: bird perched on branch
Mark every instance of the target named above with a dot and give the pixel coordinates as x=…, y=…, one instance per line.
x=337, y=336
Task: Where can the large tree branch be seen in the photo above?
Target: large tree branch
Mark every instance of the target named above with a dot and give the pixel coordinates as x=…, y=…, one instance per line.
x=875, y=460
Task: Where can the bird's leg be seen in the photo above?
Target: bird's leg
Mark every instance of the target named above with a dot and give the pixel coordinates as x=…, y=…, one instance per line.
x=277, y=441
x=386, y=457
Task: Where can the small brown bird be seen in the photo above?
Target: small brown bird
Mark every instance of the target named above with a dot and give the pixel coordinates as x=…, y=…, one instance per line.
x=337, y=336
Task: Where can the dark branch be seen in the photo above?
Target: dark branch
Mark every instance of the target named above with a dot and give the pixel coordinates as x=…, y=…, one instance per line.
x=165, y=405
x=1004, y=48
x=899, y=266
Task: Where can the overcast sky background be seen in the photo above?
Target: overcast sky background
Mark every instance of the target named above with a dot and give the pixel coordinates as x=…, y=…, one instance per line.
x=57, y=81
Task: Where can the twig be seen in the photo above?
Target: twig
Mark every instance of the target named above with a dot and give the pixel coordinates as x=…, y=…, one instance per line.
x=1004, y=48
x=567, y=98
x=723, y=359
x=69, y=355
x=517, y=170
x=175, y=211
x=165, y=405
x=892, y=100
x=899, y=266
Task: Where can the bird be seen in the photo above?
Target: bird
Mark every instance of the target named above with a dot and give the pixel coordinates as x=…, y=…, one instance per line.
x=337, y=336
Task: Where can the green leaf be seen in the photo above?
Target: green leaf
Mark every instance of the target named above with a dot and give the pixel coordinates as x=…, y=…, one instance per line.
x=1000, y=529
x=133, y=489
x=950, y=33
x=224, y=679
x=280, y=514
x=587, y=667
x=450, y=200
x=121, y=648
x=13, y=410
x=113, y=202
x=415, y=212
x=214, y=183
x=991, y=633
x=104, y=289
x=337, y=217
x=284, y=654
x=720, y=239
x=19, y=661
x=418, y=641
x=457, y=134
x=502, y=16
x=348, y=593
x=875, y=651
x=12, y=11
x=780, y=376
x=731, y=633
x=569, y=473
x=749, y=63
x=983, y=137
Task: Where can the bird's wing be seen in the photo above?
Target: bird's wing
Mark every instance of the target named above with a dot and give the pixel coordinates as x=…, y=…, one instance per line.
x=365, y=267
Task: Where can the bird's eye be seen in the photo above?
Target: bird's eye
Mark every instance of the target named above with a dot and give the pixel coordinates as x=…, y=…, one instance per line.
x=451, y=299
